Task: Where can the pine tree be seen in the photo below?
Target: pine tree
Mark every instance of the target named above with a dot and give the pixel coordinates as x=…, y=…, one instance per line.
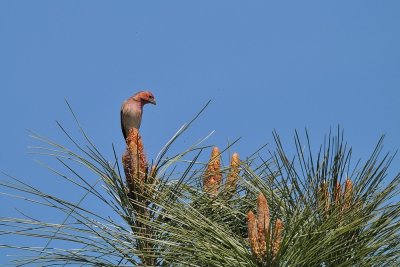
x=269, y=209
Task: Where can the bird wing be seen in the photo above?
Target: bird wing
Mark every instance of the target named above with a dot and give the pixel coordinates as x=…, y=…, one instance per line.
x=122, y=123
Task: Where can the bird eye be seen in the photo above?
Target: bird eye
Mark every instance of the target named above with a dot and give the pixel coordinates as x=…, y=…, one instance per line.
x=151, y=96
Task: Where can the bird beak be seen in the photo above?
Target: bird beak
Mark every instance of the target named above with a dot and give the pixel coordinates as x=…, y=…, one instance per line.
x=153, y=101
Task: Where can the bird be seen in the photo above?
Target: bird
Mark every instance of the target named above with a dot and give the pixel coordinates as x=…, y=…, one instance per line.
x=132, y=110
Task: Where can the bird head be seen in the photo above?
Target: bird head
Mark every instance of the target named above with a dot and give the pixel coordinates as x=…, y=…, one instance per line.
x=145, y=97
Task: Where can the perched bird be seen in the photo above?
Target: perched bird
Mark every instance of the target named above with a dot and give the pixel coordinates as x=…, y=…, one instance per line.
x=132, y=110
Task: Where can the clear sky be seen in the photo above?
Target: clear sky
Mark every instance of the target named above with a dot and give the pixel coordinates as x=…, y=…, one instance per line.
x=265, y=65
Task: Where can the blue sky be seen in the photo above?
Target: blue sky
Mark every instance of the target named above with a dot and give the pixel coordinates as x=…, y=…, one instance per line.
x=266, y=65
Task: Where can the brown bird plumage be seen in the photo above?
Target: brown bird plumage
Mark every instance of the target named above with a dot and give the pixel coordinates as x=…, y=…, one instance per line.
x=132, y=110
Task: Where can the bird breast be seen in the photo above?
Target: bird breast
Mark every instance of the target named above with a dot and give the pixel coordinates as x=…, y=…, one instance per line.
x=132, y=116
